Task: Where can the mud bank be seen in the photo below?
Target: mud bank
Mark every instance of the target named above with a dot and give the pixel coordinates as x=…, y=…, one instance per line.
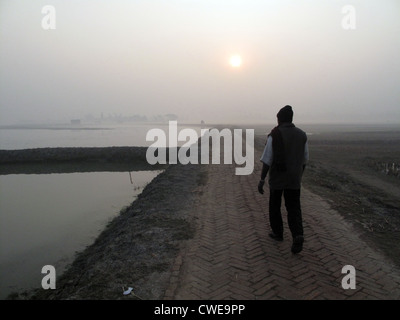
x=107, y=154
x=67, y=160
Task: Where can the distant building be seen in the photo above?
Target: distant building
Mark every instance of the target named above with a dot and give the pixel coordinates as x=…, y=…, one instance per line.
x=75, y=121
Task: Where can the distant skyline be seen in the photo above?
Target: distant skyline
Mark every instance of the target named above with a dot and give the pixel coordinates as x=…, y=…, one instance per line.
x=221, y=61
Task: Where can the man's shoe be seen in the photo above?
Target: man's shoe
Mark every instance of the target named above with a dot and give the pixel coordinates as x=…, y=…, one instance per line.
x=297, y=245
x=276, y=237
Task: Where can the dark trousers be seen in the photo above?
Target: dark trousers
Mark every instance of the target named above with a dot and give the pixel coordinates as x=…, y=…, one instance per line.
x=293, y=207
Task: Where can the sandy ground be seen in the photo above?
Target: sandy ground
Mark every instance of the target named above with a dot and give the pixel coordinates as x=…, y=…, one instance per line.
x=139, y=248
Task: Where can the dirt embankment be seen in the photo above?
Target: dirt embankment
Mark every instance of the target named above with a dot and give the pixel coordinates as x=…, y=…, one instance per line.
x=66, y=160
x=345, y=171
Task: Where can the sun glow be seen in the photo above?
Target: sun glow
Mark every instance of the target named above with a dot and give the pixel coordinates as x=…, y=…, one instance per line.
x=235, y=61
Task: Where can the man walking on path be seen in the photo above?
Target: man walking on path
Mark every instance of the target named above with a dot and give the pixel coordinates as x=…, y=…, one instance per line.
x=285, y=157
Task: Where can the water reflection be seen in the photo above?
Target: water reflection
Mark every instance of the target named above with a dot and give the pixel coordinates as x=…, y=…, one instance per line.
x=46, y=218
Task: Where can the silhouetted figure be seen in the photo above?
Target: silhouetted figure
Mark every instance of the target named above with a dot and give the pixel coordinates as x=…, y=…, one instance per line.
x=285, y=156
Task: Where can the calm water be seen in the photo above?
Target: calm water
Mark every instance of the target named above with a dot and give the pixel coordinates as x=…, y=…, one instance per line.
x=45, y=219
x=81, y=136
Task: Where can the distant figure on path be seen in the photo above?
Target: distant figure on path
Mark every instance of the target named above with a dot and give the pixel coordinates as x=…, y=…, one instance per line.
x=285, y=156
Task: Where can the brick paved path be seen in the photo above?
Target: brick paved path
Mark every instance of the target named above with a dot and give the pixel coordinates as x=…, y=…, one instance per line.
x=232, y=257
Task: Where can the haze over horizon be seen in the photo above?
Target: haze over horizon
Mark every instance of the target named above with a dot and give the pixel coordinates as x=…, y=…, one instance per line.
x=219, y=61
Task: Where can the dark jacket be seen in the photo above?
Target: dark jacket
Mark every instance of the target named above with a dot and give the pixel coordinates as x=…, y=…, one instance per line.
x=294, y=140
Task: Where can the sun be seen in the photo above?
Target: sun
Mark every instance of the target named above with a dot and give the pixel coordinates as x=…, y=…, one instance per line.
x=235, y=61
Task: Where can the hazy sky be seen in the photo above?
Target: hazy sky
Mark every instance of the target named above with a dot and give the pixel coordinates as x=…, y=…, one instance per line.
x=168, y=56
